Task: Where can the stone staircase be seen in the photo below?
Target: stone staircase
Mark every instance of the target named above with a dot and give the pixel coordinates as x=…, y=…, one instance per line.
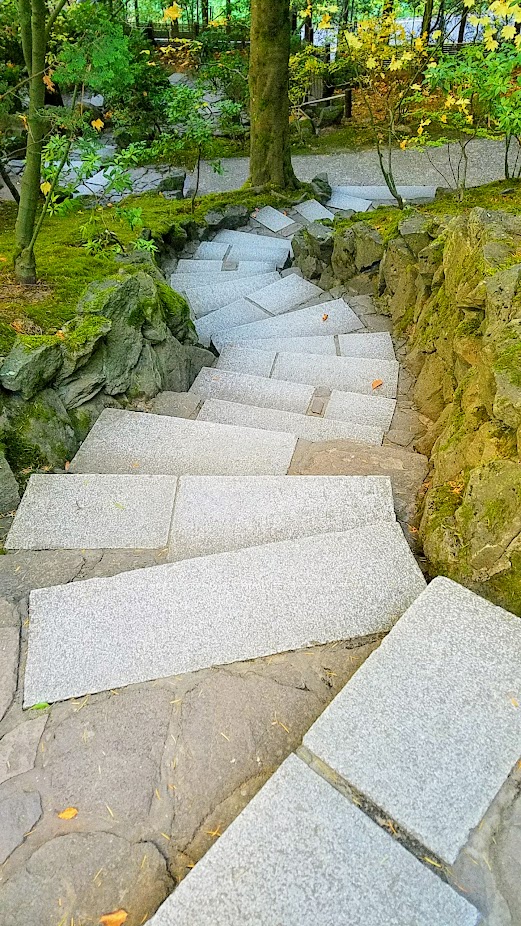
x=364, y=822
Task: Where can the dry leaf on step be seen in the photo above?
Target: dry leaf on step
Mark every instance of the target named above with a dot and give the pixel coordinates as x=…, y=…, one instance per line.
x=69, y=813
x=325, y=318
x=377, y=382
x=114, y=919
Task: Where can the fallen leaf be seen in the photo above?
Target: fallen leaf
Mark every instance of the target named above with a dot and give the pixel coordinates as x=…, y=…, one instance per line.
x=97, y=124
x=48, y=82
x=114, y=919
x=376, y=383
x=325, y=318
x=69, y=813
x=67, y=466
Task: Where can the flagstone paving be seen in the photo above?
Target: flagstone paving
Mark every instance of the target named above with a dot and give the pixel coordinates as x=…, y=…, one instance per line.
x=152, y=766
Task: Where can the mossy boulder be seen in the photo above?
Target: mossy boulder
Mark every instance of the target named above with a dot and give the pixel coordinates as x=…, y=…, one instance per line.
x=415, y=231
x=39, y=432
x=81, y=336
x=368, y=246
x=9, y=491
x=507, y=375
x=146, y=378
x=86, y=382
x=31, y=364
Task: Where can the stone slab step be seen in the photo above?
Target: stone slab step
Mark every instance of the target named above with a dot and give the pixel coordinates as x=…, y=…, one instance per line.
x=304, y=345
x=152, y=623
x=245, y=247
x=92, y=511
x=371, y=345
x=286, y=294
x=137, y=443
x=203, y=267
x=342, y=199
x=306, y=427
x=215, y=514
x=241, y=312
x=313, y=211
x=205, y=298
x=301, y=854
x=433, y=751
x=382, y=193
x=272, y=219
x=249, y=390
x=183, y=280
x=242, y=360
x=350, y=374
x=366, y=409
x=212, y=250
x=328, y=318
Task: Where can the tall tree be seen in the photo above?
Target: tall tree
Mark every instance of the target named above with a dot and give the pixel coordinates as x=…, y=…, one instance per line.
x=35, y=27
x=270, y=152
x=427, y=17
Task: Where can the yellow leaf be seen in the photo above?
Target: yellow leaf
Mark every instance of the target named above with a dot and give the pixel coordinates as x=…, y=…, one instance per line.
x=69, y=813
x=48, y=82
x=436, y=35
x=173, y=12
x=45, y=187
x=371, y=63
x=114, y=919
x=97, y=124
x=443, y=118
x=325, y=318
x=508, y=32
x=469, y=3
x=403, y=144
x=325, y=22
x=376, y=383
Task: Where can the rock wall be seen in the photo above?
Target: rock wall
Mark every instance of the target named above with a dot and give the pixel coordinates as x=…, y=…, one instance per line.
x=453, y=288
x=131, y=338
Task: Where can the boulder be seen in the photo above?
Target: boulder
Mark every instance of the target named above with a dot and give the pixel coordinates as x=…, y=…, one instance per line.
x=173, y=182
x=368, y=245
x=32, y=362
x=232, y=217
x=321, y=188
x=147, y=377
x=415, y=232
x=85, y=383
x=39, y=432
x=9, y=491
x=84, y=416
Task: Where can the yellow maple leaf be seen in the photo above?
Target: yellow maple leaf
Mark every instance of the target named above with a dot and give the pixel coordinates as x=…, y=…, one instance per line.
x=325, y=22
x=117, y=918
x=48, y=82
x=69, y=813
x=173, y=12
x=45, y=187
x=371, y=63
x=508, y=32
x=97, y=124
x=469, y=3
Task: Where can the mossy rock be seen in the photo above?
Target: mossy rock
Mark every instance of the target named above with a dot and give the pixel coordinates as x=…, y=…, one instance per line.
x=40, y=433
x=81, y=336
x=489, y=518
x=428, y=391
x=415, y=230
x=31, y=364
x=86, y=382
x=9, y=491
x=507, y=375
x=147, y=377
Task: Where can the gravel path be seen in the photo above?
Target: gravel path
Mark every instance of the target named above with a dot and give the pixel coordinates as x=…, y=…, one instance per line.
x=486, y=163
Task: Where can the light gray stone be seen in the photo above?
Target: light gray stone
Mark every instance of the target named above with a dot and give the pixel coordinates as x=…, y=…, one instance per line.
x=212, y=250
x=18, y=814
x=200, y=266
x=215, y=610
x=310, y=345
x=19, y=747
x=78, y=877
x=433, y=751
x=249, y=391
x=241, y=360
x=313, y=211
x=221, y=513
x=129, y=442
x=257, y=266
x=379, y=344
x=272, y=219
x=285, y=294
x=344, y=200
x=377, y=411
x=300, y=854
x=328, y=318
x=9, y=648
x=305, y=427
x=183, y=281
x=76, y=512
x=349, y=374
x=383, y=194
x=204, y=299
x=247, y=247
x=178, y=404
x=241, y=312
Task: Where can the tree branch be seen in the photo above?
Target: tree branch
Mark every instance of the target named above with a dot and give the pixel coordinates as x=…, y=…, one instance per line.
x=53, y=17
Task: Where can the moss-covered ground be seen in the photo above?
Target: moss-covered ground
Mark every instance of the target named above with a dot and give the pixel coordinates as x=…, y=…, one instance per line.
x=65, y=268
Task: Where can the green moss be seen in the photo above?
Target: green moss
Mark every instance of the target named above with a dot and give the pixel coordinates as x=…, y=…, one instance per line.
x=508, y=360
x=35, y=341
x=84, y=330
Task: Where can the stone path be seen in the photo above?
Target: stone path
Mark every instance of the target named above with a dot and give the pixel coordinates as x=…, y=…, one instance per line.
x=203, y=582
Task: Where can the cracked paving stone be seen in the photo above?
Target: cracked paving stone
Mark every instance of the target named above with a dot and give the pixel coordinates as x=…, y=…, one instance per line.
x=78, y=878
x=21, y=572
x=108, y=754
x=9, y=651
x=18, y=814
x=18, y=748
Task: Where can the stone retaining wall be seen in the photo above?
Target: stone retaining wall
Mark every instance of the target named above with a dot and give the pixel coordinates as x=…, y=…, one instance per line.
x=453, y=288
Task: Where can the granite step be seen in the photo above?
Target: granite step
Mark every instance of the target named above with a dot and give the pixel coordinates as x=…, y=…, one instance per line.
x=241, y=360
x=296, y=345
x=203, y=267
x=212, y=250
x=75, y=512
x=252, y=390
x=218, y=322
x=215, y=514
x=153, y=623
x=327, y=318
x=350, y=374
x=205, y=298
x=429, y=728
x=306, y=427
x=313, y=211
x=245, y=246
x=355, y=406
x=272, y=219
x=301, y=854
x=286, y=294
x=342, y=199
x=133, y=442
x=370, y=345
x=382, y=194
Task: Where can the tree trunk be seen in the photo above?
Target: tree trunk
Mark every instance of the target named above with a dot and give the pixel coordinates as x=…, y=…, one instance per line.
x=462, y=27
x=32, y=24
x=427, y=17
x=205, y=14
x=270, y=154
